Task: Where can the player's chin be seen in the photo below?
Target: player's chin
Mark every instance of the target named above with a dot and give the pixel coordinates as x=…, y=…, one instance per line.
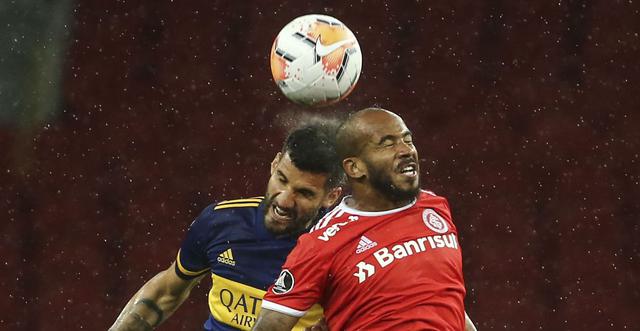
x=275, y=227
x=408, y=187
x=278, y=227
x=407, y=183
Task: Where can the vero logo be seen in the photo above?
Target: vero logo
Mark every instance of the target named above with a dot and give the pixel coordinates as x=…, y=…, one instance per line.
x=333, y=230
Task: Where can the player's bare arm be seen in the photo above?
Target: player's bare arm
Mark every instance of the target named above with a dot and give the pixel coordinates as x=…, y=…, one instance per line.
x=468, y=324
x=154, y=302
x=269, y=320
x=321, y=325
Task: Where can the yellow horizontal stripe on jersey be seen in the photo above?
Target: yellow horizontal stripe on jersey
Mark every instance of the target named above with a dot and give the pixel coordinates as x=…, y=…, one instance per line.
x=253, y=199
x=238, y=305
x=236, y=205
x=188, y=272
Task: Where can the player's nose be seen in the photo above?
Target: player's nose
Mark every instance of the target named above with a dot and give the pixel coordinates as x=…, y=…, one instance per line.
x=286, y=199
x=405, y=149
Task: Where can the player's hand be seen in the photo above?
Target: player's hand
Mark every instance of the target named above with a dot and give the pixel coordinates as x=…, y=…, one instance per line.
x=321, y=325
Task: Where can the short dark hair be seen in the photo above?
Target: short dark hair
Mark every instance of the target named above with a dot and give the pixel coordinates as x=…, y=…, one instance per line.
x=312, y=148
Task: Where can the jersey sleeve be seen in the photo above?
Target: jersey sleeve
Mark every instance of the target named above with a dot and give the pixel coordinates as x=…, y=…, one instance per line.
x=442, y=206
x=192, y=261
x=447, y=212
x=302, y=280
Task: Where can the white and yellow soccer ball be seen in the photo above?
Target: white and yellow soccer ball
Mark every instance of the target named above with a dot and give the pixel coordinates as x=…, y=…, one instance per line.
x=316, y=60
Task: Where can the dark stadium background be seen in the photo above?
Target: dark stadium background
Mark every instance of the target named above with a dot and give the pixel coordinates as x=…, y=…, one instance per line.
x=121, y=124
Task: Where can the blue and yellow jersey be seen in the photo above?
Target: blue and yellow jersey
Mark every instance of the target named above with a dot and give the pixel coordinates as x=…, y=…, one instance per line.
x=229, y=241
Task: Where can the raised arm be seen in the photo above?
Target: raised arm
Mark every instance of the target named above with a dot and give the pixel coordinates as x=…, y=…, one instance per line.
x=269, y=320
x=154, y=302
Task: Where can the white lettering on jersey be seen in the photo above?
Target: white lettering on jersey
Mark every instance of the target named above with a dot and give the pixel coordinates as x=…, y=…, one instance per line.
x=385, y=256
x=337, y=212
x=332, y=230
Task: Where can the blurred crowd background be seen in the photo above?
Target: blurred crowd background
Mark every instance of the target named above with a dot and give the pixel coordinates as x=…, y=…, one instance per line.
x=121, y=120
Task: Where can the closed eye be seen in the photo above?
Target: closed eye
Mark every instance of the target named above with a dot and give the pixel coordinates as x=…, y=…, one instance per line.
x=387, y=141
x=407, y=137
x=307, y=193
x=282, y=178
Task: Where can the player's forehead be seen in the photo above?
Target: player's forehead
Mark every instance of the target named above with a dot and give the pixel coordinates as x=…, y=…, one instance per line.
x=300, y=178
x=376, y=125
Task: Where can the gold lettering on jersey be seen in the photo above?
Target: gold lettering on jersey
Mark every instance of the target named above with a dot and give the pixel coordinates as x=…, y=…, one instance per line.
x=238, y=305
x=243, y=320
x=235, y=302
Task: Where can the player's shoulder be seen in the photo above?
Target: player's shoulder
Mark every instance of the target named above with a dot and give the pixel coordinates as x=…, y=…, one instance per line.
x=338, y=214
x=232, y=210
x=428, y=194
x=228, y=212
x=429, y=200
x=427, y=197
x=334, y=229
x=242, y=204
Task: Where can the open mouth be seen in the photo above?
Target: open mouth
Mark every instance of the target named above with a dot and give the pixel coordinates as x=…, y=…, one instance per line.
x=409, y=169
x=281, y=215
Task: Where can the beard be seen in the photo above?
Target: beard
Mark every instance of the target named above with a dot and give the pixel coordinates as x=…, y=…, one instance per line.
x=298, y=224
x=381, y=181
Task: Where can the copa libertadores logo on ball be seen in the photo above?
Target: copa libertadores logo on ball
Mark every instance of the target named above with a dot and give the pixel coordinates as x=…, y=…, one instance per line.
x=284, y=283
x=434, y=221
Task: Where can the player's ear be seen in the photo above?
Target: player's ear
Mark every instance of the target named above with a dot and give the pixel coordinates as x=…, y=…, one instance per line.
x=274, y=163
x=332, y=197
x=354, y=167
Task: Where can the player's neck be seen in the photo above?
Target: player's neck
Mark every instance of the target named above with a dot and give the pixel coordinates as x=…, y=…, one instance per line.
x=367, y=199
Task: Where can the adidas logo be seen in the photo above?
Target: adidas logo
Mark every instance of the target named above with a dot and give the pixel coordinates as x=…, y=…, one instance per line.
x=364, y=244
x=226, y=257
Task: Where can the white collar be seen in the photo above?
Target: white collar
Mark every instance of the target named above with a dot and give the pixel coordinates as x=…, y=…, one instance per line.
x=343, y=206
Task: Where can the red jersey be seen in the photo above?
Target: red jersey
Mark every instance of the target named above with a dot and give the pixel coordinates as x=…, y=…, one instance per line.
x=399, y=269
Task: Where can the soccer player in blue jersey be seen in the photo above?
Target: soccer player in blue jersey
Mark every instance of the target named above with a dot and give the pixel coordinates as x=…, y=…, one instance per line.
x=241, y=244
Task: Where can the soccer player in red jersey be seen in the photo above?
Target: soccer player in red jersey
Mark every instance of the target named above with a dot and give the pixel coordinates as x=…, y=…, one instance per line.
x=387, y=257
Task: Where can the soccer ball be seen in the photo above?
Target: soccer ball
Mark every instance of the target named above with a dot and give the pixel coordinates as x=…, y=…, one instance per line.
x=316, y=60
